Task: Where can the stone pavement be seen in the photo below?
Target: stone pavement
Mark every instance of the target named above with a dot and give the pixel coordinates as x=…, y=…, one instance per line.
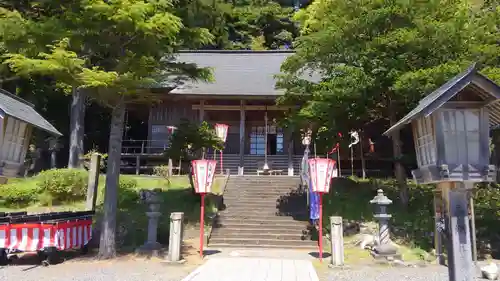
x=253, y=269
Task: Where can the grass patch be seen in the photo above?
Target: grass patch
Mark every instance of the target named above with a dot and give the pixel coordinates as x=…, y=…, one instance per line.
x=132, y=221
x=411, y=226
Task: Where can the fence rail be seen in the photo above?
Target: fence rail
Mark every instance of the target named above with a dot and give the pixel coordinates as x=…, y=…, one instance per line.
x=144, y=146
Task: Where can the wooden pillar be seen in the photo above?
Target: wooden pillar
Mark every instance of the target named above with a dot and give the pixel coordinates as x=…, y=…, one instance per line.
x=290, y=152
x=242, y=138
x=202, y=111
x=137, y=164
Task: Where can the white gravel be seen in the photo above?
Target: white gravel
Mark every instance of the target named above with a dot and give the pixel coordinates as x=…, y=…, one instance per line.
x=377, y=273
x=119, y=270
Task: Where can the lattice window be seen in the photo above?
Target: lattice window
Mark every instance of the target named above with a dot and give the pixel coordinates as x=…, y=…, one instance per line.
x=461, y=135
x=13, y=145
x=425, y=144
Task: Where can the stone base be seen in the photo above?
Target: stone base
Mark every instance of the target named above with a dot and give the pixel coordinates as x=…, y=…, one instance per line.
x=179, y=262
x=387, y=252
x=338, y=266
x=150, y=249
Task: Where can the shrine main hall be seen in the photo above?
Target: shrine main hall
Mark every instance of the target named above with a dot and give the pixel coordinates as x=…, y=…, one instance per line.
x=242, y=95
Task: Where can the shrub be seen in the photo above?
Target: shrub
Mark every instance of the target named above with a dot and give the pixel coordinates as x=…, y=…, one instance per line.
x=63, y=184
x=127, y=192
x=161, y=171
x=88, y=156
x=22, y=192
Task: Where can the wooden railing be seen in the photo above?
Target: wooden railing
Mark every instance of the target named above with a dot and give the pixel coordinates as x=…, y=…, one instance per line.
x=134, y=147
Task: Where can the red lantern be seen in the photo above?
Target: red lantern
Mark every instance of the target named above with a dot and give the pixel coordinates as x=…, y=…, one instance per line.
x=221, y=132
x=203, y=175
x=171, y=129
x=321, y=170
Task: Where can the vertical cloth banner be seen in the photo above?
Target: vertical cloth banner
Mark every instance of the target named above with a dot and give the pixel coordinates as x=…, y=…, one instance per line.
x=313, y=203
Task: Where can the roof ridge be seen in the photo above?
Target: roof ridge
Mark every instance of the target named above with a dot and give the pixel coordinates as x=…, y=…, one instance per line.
x=11, y=95
x=279, y=51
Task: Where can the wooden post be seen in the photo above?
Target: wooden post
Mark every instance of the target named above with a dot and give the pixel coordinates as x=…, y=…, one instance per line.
x=473, y=228
x=93, y=181
x=438, y=216
x=137, y=164
x=242, y=139
x=170, y=167
x=290, y=152
x=363, y=164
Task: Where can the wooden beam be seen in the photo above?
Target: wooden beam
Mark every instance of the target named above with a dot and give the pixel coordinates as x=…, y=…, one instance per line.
x=238, y=107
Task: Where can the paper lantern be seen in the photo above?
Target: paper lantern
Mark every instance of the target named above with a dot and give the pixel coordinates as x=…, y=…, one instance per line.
x=171, y=129
x=203, y=174
x=322, y=170
x=221, y=131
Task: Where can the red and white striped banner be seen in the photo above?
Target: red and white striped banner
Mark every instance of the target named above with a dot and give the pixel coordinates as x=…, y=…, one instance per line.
x=36, y=236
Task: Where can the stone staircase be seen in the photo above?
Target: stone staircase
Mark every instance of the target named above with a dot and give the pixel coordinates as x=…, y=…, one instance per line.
x=262, y=211
x=252, y=162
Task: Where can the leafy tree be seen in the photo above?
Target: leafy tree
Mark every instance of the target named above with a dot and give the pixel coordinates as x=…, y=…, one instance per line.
x=378, y=58
x=190, y=141
x=117, y=50
x=241, y=24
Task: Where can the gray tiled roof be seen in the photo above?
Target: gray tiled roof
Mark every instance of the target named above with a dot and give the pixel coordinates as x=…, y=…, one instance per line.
x=22, y=110
x=447, y=91
x=249, y=73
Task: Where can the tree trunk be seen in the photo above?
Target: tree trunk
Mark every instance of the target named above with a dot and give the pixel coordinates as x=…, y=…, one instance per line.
x=77, y=128
x=107, y=246
x=399, y=170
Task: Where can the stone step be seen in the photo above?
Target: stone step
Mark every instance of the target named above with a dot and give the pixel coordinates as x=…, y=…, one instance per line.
x=262, y=221
x=256, y=189
x=300, y=246
x=251, y=201
x=265, y=212
x=227, y=235
x=245, y=242
x=234, y=193
x=282, y=226
x=293, y=232
x=271, y=190
x=256, y=218
x=263, y=187
x=250, y=198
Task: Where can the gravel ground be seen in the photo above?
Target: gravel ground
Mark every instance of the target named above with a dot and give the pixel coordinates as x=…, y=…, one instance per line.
x=119, y=270
x=377, y=273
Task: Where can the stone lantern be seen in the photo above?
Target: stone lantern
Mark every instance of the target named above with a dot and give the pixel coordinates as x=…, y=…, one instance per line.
x=451, y=135
x=385, y=248
x=153, y=199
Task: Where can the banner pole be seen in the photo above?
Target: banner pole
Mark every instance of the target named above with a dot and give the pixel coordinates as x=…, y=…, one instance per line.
x=320, y=238
x=202, y=223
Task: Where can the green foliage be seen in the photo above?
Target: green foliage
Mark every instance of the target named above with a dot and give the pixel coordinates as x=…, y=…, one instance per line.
x=190, y=140
x=87, y=157
x=241, y=24
x=162, y=171
x=127, y=192
x=114, y=47
x=64, y=184
x=19, y=193
x=378, y=59
x=411, y=225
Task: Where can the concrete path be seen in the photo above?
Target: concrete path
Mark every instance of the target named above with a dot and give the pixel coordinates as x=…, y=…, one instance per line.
x=253, y=269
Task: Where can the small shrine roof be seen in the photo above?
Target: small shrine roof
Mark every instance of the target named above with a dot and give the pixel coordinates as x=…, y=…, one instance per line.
x=486, y=88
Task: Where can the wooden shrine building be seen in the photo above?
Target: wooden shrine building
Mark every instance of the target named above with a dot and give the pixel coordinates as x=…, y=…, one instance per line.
x=242, y=96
